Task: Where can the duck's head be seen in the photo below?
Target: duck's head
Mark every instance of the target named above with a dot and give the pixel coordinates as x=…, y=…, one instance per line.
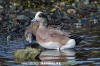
x=40, y=17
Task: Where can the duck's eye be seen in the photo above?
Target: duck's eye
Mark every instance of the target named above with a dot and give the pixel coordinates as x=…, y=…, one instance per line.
x=42, y=15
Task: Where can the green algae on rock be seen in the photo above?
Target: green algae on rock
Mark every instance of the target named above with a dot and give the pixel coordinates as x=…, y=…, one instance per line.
x=28, y=54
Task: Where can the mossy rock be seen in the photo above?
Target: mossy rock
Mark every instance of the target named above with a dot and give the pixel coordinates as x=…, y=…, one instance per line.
x=71, y=11
x=28, y=54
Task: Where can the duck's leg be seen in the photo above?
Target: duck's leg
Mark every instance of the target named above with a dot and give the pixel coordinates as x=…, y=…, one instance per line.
x=28, y=45
x=58, y=49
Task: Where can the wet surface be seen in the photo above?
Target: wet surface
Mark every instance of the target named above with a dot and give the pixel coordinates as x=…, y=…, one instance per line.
x=87, y=53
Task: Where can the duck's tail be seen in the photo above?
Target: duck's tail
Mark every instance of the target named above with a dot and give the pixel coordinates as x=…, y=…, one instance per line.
x=77, y=38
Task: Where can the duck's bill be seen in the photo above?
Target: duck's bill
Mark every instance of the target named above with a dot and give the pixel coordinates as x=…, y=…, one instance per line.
x=33, y=20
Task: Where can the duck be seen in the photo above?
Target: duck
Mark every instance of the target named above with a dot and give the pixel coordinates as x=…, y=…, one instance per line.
x=51, y=38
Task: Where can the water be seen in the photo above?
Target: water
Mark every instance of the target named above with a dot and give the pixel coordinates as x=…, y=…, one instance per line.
x=87, y=53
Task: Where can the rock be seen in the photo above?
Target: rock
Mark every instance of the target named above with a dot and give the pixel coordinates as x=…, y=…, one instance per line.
x=1, y=1
x=71, y=11
x=1, y=6
x=12, y=16
x=0, y=18
x=78, y=25
x=28, y=54
x=84, y=21
x=15, y=4
x=22, y=17
x=77, y=0
x=86, y=2
x=8, y=37
x=62, y=3
x=13, y=7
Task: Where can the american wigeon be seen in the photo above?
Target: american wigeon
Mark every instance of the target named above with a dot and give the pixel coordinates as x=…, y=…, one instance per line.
x=51, y=38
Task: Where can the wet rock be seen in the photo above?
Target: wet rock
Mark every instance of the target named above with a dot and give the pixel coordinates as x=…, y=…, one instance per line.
x=12, y=16
x=71, y=11
x=1, y=18
x=16, y=7
x=86, y=2
x=58, y=14
x=93, y=20
x=22, y=17
x=1, y=1
x=84, y=20
x=13, y=7
x=1, y=6
x=28, y=54
x=29, y=12
x=78, y=25
x=62, y=3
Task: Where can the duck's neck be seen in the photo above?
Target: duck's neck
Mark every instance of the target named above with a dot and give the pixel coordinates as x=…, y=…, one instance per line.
x=43, y=25
x=34, y=27
x=42, y=22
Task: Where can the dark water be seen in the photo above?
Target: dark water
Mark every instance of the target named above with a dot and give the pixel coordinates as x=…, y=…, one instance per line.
x=87, y=53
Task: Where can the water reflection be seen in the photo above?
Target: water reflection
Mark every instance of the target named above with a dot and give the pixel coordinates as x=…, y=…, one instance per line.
x=86, y=54
x=58, y=57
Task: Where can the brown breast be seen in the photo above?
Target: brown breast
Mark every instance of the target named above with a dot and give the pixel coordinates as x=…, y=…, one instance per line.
x=32, y=28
